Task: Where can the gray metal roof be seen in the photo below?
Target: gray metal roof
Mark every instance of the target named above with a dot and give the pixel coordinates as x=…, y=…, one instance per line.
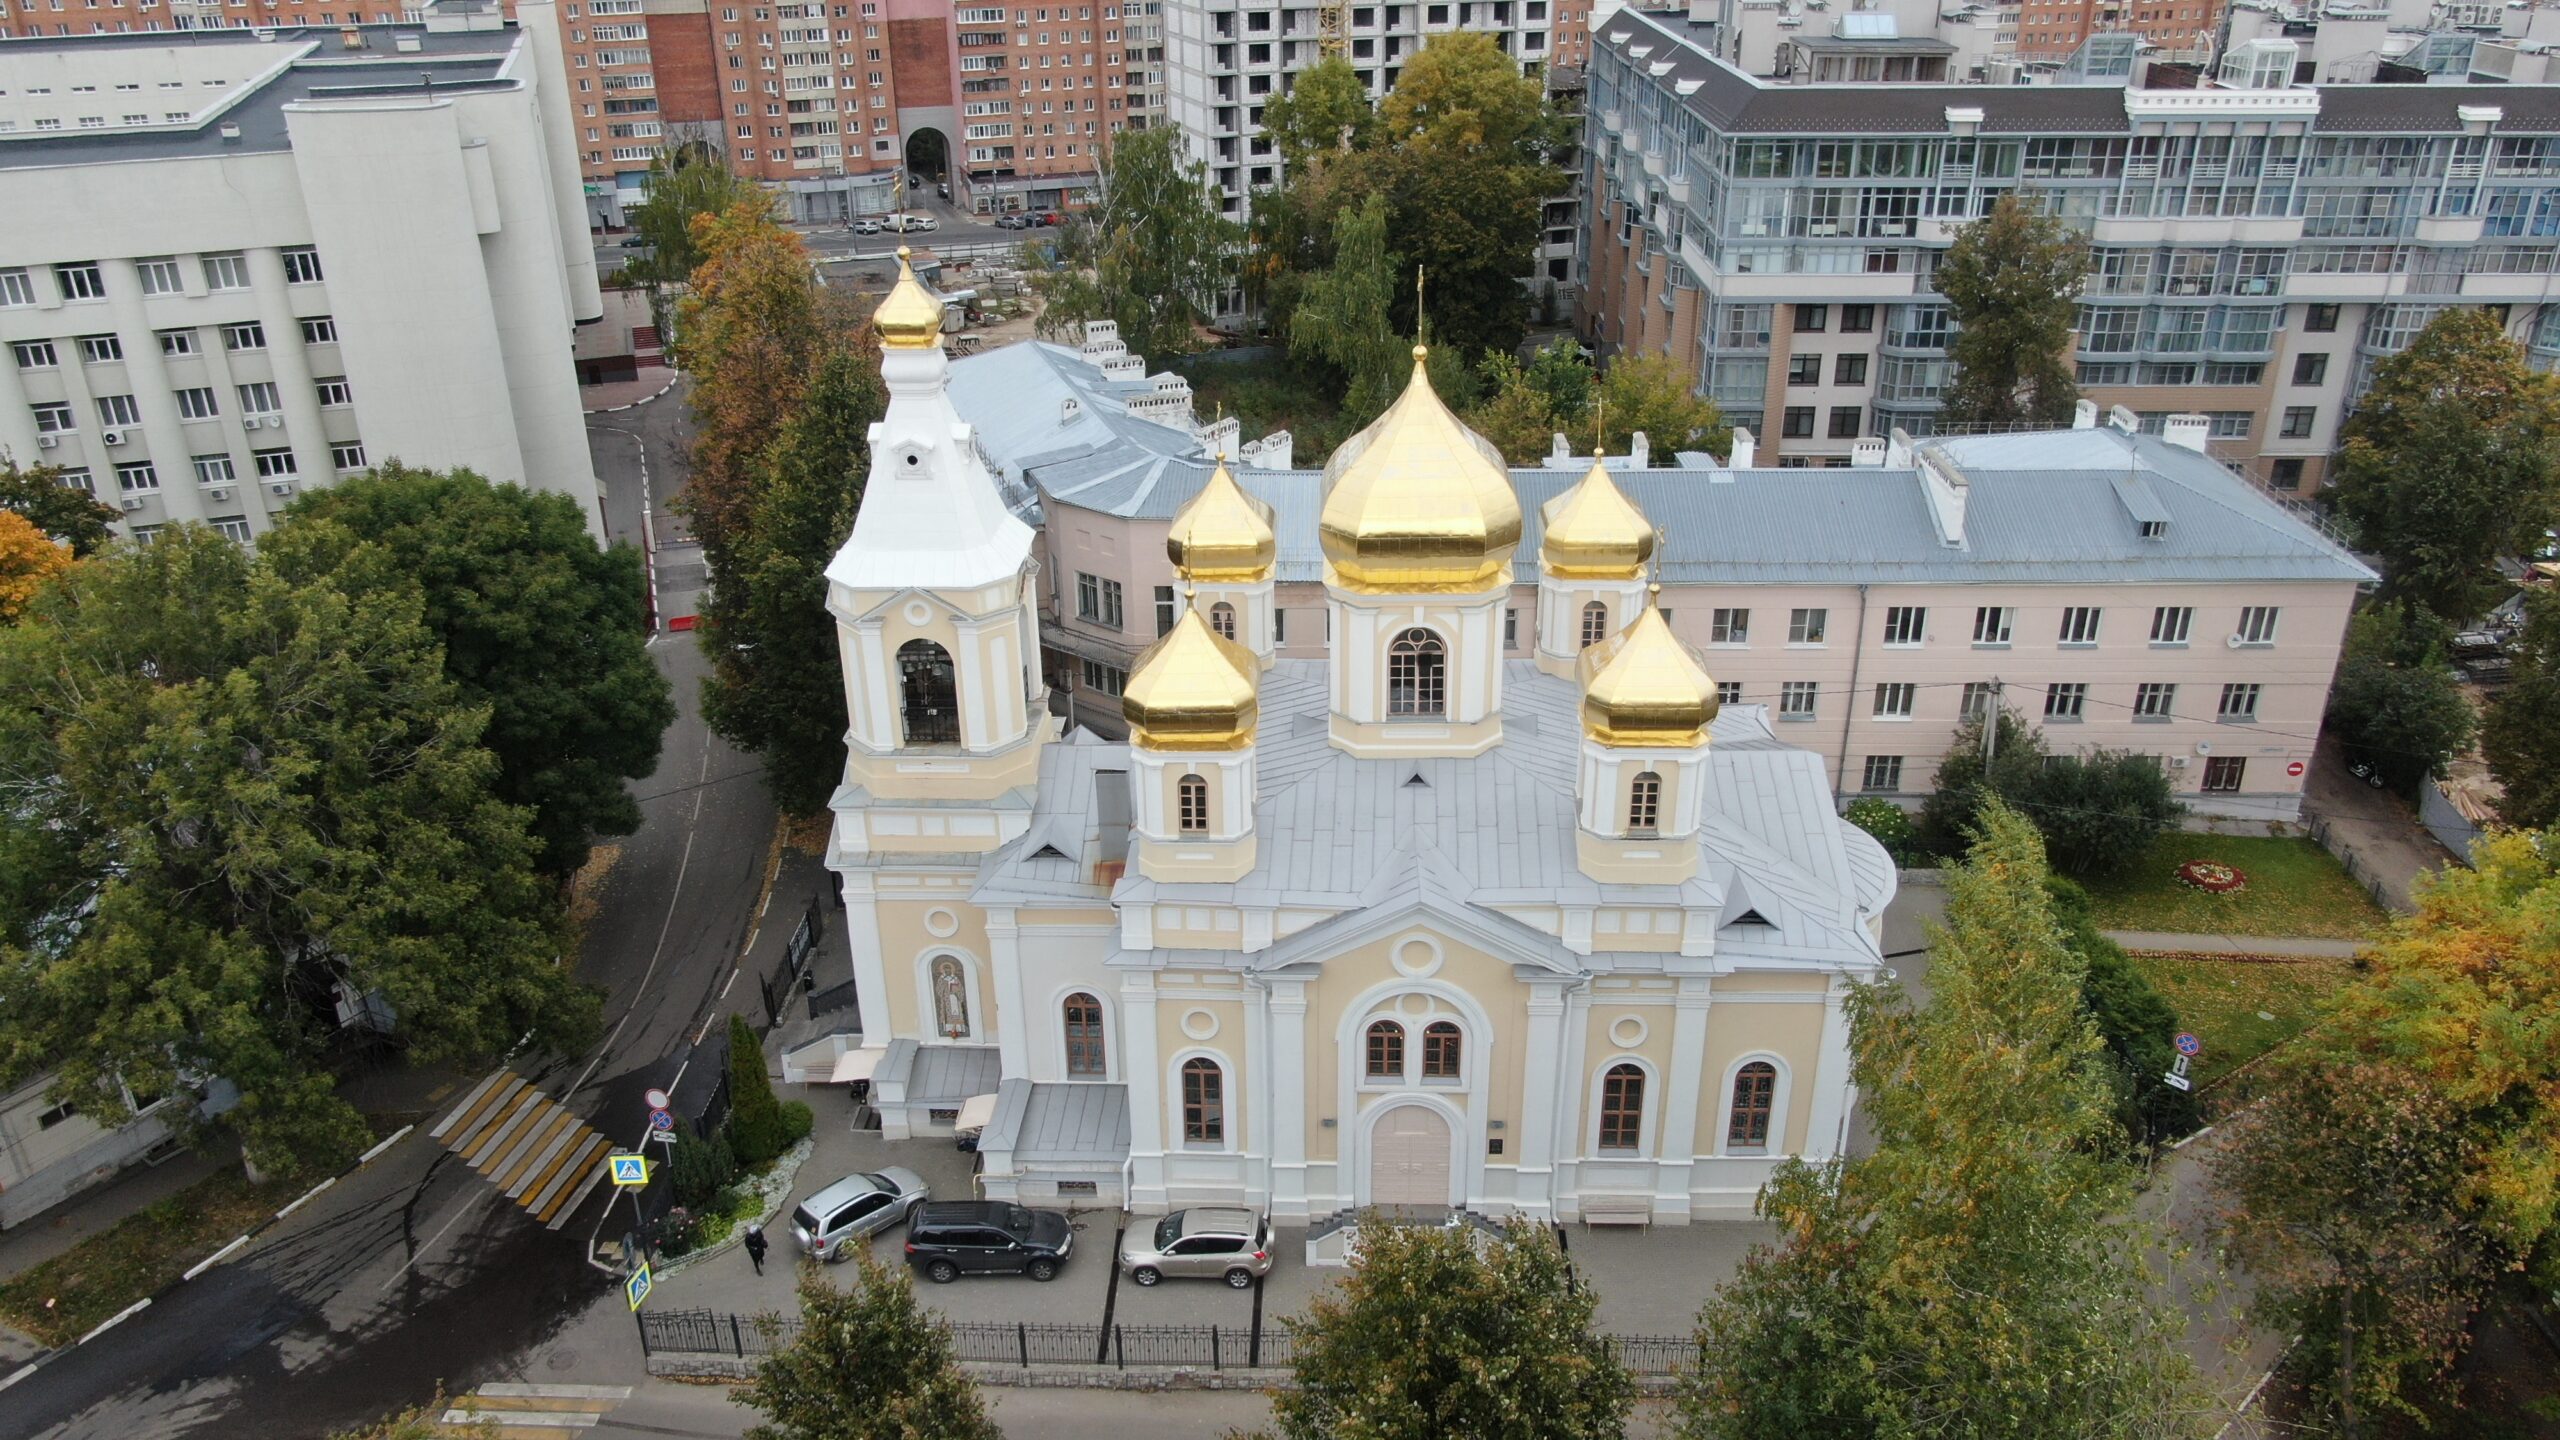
x=935, y=1073
x=1043, y=1123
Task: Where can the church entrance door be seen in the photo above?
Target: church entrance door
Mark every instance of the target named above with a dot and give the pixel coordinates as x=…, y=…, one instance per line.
x=1409, y=1157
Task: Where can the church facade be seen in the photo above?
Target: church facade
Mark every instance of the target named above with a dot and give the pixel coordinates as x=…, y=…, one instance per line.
x=1415, y=924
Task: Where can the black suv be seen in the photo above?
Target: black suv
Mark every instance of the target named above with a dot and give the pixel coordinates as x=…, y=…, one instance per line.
x=986, y=1237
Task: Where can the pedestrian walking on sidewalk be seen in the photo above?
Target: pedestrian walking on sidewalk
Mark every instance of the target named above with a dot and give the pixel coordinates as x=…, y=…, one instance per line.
x=755, y=1246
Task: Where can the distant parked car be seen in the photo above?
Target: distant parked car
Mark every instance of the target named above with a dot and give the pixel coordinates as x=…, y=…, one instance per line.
x=952, y=1238
x=635, y=242
x=867, y=225
x=827, y=1223
x=906, y=223
x=1232, y=1244
x=1013, y=222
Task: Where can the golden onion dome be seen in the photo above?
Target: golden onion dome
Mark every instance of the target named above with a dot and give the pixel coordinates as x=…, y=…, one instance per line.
x=1222, y=533
x=1192, y=690
x=1594, y=532
x=911, y=318
x=1641, y=686
x=1418, y=503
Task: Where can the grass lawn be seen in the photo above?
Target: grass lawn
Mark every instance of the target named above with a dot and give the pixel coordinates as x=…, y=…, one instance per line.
x=2294, y=888
x=2220, y=1001
x=135, y=1257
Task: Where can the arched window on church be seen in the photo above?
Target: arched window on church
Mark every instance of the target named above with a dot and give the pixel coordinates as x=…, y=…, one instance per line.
x=1595, y=624
x=1644, y=804
x=1222, y=618
x=1386, y=1051
x=1417, y=675
x=1622, y=1108
x=1755, y=1092
x=1084, y=1036
x=1204, y=1103
x=1191, y=801
x=1443, y=1050
x=950, y=996
x=928, y=694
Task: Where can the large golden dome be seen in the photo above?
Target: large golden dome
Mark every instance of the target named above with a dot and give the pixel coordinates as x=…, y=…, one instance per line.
x=1641, y=686
x=911, y=318
x=1192, y=690
x=1594, y=532
x=1223, y=534
x=1418, y=503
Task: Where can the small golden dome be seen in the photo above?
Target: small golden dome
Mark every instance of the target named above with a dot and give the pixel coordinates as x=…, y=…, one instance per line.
x=1192, y=690
x=1418, y=503
x=911, y=318
x=1594, y=532
x=1641, y=686
x=1222, y=533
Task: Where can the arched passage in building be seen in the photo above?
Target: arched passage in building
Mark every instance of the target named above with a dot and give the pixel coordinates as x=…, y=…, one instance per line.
x=928, y=158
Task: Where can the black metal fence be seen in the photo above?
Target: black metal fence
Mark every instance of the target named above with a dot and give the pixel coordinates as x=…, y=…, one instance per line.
x=1199, y=1347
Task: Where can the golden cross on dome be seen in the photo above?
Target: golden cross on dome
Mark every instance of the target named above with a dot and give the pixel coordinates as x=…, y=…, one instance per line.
x=1600, y=428
x=1420, y=335
x=1661, y=541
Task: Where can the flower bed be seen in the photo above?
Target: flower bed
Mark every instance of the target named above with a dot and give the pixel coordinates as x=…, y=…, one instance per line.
x=2212, y=876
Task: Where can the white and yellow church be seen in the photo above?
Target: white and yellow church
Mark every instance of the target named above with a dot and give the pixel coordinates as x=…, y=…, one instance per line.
x=1409, y=926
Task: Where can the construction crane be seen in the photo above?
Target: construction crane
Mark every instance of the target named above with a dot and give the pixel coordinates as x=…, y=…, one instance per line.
x=1329, y=40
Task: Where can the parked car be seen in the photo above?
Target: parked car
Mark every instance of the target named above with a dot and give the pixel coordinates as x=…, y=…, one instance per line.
x=867, y=225
x=1231, y=1243
x=1013, y=222
x=951, y=1238
x=904, y=223
x=827, y=1223
x=635, y=242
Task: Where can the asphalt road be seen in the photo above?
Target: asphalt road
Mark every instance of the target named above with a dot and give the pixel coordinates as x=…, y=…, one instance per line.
x=410, y=1273
x=833, y=241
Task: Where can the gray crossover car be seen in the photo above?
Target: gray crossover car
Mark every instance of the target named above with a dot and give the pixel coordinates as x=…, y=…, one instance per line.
x=1231, y=1244
x=828, y=1222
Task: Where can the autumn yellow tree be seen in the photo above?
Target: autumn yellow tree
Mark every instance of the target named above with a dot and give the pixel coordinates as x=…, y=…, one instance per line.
x=27, y=560
x=749, y=332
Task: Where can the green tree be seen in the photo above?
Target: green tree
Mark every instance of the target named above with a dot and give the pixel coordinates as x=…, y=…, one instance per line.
x=2450, y=463
x=2395, y=703
x=1968, y=779
x=755, y=1116
x=55, y=506
x=2520, y=734
x=1438, y=1333
x=1152, y=252
x=1342, y=318
x=1531, y=403
x=1651, y=393
x=769, y=615
x=538, y=625
x=1975, y=1274
x=2100, y=810
x=866, y=1363
x=683, y=184
x=1325, y=112
x=2135, y=1022
x=2012, y=282
x=262, y=797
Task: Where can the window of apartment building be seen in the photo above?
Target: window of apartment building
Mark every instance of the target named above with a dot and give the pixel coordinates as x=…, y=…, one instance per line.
x=1795, y=699
x=77, y=477
x=2239, y=701
x=81, y=281
x=160, y=277
x=1844, y=421
x=1164, y=610
x=347, y=457
x=258, y=397
x=274, y=464
x=2310, y=369
x=2320, y=319
x=53, y=419
x=1796, y=423
x=1104, y=679
x=302, y=266
x=2285, y=474
x=1979, y=696
x=2222, y=774
x=137, y=478
x=2170, y=623
x=16, y=289
x=34, y=355
x=1804, y=369
x=99, y=349
x=197, y=402
x=2299, y=421
x=1806, y=627
x=2151, y=701
x=2257, y=625
x=333, y=391
x=1812, y=319
x=1883, y=774
x=177, y=342
x=1857, y=319
x=320, y=330
x=1894, y=700
x=251, y=336
x=232, y=528
x=1992, y=624
x=214, y=470
x=2080, y=625
x=1849, y=370
x=1098, y=601
x=226, y=272
x=1905, y=624
x=2064, y=702
x=1729, y=627
x=118, y=411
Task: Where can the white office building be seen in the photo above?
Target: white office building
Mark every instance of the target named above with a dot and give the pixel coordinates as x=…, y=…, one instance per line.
x=238, y=263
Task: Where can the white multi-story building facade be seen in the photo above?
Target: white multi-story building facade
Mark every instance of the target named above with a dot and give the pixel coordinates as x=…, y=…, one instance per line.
x=242, y=263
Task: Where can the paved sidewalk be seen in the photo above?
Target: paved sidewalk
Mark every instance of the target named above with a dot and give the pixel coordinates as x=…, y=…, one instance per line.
x=2384, y=847
x=2177, y=943
x=621, y=394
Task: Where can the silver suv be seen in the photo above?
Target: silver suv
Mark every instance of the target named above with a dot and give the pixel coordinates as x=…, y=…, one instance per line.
x=1231, y=1243
x=828, y=1222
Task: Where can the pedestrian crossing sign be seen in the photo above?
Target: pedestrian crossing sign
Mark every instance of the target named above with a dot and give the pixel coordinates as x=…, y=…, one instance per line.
x=630, y=1170
x=637, y=1287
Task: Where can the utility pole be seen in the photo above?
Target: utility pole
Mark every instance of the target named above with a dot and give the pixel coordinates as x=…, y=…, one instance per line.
x=1991, y=726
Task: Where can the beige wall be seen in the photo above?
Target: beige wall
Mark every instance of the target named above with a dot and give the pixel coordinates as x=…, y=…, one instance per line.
x=1793, y=1033
x=1355, y=973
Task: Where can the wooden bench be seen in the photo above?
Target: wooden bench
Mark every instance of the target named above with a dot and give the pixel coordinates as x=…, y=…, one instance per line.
x=1617, y=1210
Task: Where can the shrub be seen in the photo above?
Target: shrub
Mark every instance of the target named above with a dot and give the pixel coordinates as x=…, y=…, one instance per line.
x=1890, y=824
x=2133, y=1018
x=698, y=1168
x=797, y=1121
x=756, y=1125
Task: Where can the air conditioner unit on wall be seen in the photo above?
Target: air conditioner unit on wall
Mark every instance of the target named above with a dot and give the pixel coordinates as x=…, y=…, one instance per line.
x=250, y=422
x=2177, y=762
x=279, y=487
x=132, y=502
x=113, y=437
x=47, y=442
x=219, y=492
